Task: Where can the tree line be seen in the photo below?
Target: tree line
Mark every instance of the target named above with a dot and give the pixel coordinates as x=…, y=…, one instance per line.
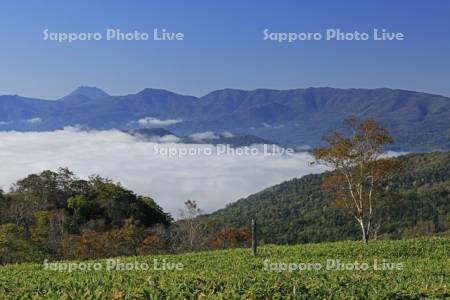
x=367, y=195
x=56, y=215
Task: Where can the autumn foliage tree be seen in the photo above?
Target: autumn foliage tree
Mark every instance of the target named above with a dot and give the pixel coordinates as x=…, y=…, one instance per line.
x=355, y=155
x=231, y=238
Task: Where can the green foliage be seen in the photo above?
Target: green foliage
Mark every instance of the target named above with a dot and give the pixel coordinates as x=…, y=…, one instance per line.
x=234, y=274
x=80, y=207
x=52, y=207
x=14, y=247
x=297, y=211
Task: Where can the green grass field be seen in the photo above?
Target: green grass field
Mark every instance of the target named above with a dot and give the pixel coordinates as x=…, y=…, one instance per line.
x=234, y=274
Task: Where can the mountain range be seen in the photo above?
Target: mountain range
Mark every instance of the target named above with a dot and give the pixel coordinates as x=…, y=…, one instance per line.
x=295, y=118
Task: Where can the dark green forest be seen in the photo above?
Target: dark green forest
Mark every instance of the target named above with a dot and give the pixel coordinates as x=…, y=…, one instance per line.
x=47, y=214
x=56, y=215
x=416, y=202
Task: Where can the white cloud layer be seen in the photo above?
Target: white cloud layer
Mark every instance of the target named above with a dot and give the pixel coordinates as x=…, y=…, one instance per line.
x=170, y=138
x=212, y=180
x=228, y=134
x=201, y=136
x=34, y=121
x=149, y=121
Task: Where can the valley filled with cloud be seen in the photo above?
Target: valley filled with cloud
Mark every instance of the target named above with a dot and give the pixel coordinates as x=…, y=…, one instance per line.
x=213, y=180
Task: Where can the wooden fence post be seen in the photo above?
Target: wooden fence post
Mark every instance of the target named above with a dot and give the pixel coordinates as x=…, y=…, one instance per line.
x=254, y=238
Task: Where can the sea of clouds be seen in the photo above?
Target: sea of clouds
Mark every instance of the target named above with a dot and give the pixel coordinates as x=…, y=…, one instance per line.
x=211, y=180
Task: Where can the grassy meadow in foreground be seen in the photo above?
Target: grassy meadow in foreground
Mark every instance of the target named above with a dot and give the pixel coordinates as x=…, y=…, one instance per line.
x=234, y=274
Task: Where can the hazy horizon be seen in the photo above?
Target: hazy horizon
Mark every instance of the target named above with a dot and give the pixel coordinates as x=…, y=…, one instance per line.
x=202, y=95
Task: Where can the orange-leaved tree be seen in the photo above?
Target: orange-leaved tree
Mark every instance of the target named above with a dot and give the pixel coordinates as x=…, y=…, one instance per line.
x=359, y=170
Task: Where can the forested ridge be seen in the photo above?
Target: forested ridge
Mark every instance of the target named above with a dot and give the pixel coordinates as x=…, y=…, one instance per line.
x=419, y=121
x=417, y=202
x=56, y=215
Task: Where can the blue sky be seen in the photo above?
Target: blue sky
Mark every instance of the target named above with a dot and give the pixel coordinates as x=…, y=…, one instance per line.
x=223, y=46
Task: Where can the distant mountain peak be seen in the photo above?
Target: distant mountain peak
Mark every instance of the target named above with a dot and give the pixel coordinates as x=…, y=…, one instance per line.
x=89, y=92
x=155, y=92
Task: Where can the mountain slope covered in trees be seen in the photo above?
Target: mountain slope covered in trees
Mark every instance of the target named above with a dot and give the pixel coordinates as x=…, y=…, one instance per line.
x=295, y=118
x=56, y=215
x=296, y=211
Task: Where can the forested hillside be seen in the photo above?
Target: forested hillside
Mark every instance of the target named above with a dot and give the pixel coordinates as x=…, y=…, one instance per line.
x=56, y=215
x=294, y=118
x=417, y=202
